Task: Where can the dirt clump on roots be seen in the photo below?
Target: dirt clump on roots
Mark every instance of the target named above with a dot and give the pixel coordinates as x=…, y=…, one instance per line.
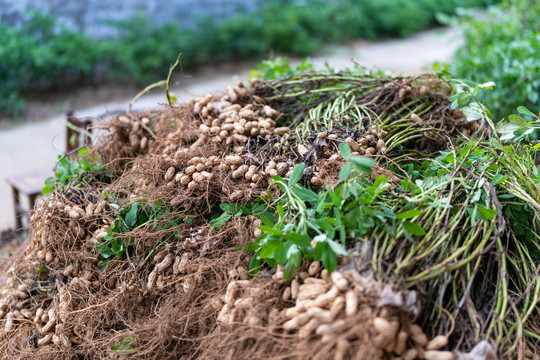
x=138, y=267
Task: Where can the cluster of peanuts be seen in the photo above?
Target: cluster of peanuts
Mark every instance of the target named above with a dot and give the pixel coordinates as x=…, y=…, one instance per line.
x=170, y=264
x=199, y=169
x=75, y=213
x=138, y=134
x=15, y=308
x=16, y=303
x=224, y=119
x=367, y=145
x=324, y=302
x=242, y=303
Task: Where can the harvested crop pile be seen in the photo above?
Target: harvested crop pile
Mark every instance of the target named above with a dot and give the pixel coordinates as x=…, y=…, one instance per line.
x=317, y=216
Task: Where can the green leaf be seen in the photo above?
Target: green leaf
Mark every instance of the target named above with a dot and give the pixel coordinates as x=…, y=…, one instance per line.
x=329, y=259
x=487, y=214
x=408, y=214
x=83, y=151
x=525, y=111
x=517, y=120
x=254, y=264
x=217, y=222
x=414, y=228
x=305, y=194
x=345, y=151
x=362, y=164
x=337, y=247
x=298, y=239
x=345, y=171
x=270, y=230
x=131, y=216
x=497, y=179
x=296, y=174
x=289, y=269
x=228, y=207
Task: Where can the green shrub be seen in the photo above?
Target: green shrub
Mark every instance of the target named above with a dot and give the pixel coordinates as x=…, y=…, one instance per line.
x=41, y=56
x=503, y=46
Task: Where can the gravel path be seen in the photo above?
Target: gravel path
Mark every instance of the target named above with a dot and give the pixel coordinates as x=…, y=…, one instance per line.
x=35, y=146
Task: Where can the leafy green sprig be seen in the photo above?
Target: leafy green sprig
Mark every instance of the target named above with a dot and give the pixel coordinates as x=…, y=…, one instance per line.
x=317, y=226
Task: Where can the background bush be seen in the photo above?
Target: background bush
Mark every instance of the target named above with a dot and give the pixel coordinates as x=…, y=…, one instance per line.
x=503, y=46
x=40, y=56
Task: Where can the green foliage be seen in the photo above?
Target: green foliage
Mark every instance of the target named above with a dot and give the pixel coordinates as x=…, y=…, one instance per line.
x=517, y=129
x=503, y=46
x=137, y=215
x=74, y=172
x=279, y=68
x=226, y=211
x=317, y=226
x=123, y=348
x=42, y=55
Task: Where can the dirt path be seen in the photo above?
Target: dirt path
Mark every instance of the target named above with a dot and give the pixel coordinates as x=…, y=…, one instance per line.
x=35, y=146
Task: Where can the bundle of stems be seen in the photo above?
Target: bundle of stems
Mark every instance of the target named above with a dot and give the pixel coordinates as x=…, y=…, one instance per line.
x=414, y=111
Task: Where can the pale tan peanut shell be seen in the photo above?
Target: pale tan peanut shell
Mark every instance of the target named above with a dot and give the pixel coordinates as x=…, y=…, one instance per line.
x=352, y=144
x=297, y=321
x=233, y=160
x=437, y=342
x=144, y=143
x=308, y=328
x=26, y=313
x=39, y=313
x=200, y=167
x=410, y=354
x=324, y=316
x=20, y=294
x=339, y=281
x=389, y=347
x=281, y=130
x=324, y=299
x=341, y=349
x=169, y=174
x=308, y=291
x=317, y=181
x=337, y=306
x=9, y=322
x=45, y=340
x=438, y=355
x=303, y=305
x=401, y=342
x=50, y=323
x=314, y=280
x=416, y=118
x=417, y=335
x=160, y=255
x=56, y=339
x=382, y=340
x=286, y=294
x=232, y=290
x=165, y=263
x=351, y=303
x=325, y=275
x=293, y=312
x=152, y=278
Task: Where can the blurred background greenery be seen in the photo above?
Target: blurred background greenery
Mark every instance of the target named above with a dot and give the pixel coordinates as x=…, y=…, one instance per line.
x=502, y=44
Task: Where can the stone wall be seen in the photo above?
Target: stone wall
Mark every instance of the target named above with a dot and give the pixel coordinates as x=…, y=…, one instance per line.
x=91, y=16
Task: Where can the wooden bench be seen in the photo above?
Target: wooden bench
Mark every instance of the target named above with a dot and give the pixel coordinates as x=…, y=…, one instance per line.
x=29, y=185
